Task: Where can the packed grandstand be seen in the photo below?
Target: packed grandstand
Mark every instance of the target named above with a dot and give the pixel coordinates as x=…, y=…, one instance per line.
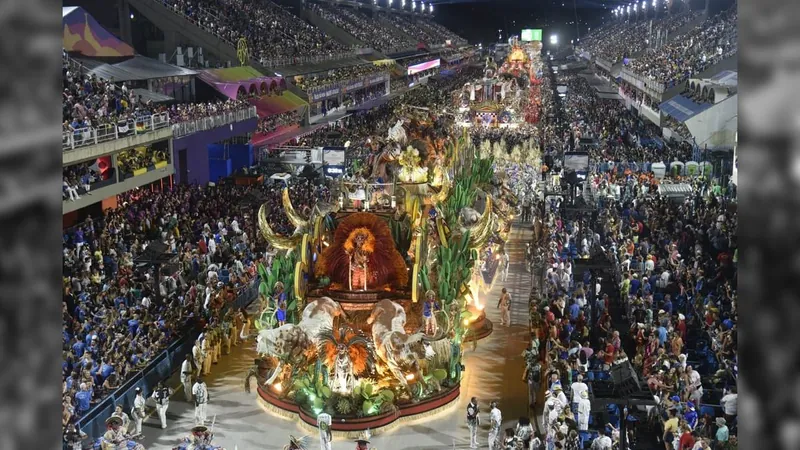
x=196, y=202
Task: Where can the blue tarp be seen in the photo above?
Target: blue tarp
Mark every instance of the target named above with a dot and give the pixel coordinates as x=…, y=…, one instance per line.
x=682, y=108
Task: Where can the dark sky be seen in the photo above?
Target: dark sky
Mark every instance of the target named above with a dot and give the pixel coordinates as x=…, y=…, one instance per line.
x=479, y=21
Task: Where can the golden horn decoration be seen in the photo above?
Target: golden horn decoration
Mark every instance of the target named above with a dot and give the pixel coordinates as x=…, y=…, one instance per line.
x=276, y=240
x=444, y=191
x=295, y=218
x=482, y=231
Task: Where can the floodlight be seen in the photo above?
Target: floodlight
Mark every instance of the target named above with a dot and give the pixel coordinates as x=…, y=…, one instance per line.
x=554, y=39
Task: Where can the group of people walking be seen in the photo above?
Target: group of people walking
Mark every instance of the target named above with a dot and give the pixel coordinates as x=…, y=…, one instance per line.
x=519, y=437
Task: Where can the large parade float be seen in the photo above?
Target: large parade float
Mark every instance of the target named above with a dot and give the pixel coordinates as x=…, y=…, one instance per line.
x=369, y=305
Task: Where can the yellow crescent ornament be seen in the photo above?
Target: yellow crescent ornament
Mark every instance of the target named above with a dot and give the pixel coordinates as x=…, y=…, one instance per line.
x=242, y=52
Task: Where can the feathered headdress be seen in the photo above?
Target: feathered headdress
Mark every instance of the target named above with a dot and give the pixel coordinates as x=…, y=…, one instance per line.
x=356, y=345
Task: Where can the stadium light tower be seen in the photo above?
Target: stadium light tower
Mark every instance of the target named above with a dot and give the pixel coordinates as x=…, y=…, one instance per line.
x=430, y=8
x=413, y=5
x=553, y=39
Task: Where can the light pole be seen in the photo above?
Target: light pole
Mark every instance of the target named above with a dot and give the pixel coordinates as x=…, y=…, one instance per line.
x=554, y=41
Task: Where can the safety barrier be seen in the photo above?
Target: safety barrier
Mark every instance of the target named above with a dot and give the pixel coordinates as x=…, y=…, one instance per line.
x=159, y=369
x=83, y=137
x=209, y=123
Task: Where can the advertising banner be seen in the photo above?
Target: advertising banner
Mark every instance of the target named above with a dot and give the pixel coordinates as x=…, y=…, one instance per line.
x=324, y=93
x=417, y=68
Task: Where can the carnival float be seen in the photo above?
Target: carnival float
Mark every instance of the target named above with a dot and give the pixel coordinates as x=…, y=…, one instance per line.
x=381, y=291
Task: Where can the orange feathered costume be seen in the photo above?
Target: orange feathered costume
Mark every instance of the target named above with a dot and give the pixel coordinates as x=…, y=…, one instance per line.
x=385, y=265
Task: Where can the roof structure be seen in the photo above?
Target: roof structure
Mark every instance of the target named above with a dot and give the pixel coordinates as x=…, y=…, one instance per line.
x=134, y=69
x=84, y=36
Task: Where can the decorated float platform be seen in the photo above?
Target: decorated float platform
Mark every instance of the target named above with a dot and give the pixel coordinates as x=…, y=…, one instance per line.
x=368, y=305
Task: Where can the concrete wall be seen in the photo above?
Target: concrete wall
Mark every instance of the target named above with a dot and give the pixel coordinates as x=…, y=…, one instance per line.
x=716, y=126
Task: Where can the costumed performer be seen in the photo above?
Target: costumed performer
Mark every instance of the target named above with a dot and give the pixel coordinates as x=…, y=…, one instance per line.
x=429, y=312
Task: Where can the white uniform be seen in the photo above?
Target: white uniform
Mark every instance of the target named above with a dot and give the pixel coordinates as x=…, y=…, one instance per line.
x=200, y=392
x=161, y=397
x=584, y=410
x=324, y=435
x=496, y=419
x=138, y=413
x=186, y=379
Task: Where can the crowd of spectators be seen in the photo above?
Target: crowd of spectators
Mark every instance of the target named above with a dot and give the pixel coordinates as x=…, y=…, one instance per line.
x=133, y=159
x=271, y=31
x=620, y=134
x=670, y=308
x=271, y=123
x=89, y=101
x=714, y=40
x=365, y=126
x=440, y=34
x=370, y=31
x=409, y=27
x=78, y=179
x=677, y=127
x=188, y=112
x=322, y=80
x=621, y=39
x=118, y=315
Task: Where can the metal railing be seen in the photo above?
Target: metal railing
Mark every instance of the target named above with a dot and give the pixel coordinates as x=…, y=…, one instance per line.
x=209, y=123
x=83, y=137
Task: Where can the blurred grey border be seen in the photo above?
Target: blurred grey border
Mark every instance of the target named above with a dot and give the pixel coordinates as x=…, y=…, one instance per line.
x=769, y=177
x=30, y=213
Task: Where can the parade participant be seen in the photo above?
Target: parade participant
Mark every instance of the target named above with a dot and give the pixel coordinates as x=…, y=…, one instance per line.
x=324, y=422
x=297, y=444
x=473, y=421
x=226, y=333
x=197, y=357
x=429, y=312
x=510, y=441
x=504, y=304
x=199, y=439
x=578, y=388
x=74, y=438
x=123, y=416
x=279, y=297
x=505, y=262
x=187, y=368
x=161, y=397
x=138, y=412
x=584, y=410
x=496, y=419
x=362, y=444
x=200, y=393
x=524, y=431
x=115, y=437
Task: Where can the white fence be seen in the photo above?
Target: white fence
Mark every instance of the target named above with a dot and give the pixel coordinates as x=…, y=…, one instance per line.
x=209, y=123
x=83, y=137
